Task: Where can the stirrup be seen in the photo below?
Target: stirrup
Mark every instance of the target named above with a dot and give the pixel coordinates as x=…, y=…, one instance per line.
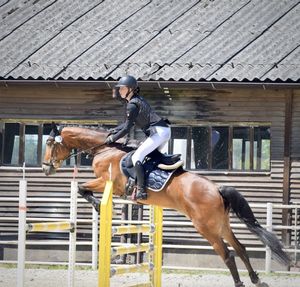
x=141, y=193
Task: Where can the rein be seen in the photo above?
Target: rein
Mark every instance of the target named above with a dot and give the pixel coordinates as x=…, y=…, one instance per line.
x=89, y=149
x=74, y=154
x=83, y=151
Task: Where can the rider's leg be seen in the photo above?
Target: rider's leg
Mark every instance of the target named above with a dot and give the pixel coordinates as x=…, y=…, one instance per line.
x=165, y=133
x=156, y=140
x=140, y=176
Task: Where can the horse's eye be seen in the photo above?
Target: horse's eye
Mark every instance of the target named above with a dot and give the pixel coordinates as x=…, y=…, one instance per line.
x=49, y=142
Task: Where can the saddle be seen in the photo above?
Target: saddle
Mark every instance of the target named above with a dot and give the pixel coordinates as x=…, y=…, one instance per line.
x=158, y=167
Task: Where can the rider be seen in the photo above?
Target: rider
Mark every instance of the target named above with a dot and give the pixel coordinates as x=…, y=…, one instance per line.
x=139, y=112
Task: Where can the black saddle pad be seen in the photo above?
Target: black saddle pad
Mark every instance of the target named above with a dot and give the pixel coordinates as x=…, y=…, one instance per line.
x=156, y=178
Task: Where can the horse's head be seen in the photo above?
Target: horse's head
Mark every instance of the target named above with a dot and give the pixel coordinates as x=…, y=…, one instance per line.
x=56, y=151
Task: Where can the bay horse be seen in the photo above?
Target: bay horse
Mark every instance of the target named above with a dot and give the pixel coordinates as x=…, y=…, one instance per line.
x=201, y=200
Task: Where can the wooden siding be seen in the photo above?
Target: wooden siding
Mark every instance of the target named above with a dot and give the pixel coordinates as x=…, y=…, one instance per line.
x=182, y=107
x=228, y=106
x=63, y=103
x=295, y=163
x=296, y=124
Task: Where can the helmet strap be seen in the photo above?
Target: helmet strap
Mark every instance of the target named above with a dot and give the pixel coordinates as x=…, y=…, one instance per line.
x=128, y=93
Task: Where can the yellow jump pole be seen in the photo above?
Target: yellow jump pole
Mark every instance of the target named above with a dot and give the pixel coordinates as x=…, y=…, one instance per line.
x=50, y=226
x=105, y=236
x=158, y=219
x=132, y=229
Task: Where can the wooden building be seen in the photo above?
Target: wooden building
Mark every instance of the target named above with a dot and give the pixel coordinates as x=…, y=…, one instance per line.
x=231, y=92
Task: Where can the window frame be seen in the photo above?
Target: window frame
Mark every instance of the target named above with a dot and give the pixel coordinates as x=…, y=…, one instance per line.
x=40, y=124
x=230, y=127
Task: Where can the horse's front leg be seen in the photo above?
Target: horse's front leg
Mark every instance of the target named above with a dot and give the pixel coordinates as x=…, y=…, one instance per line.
x=86, y=191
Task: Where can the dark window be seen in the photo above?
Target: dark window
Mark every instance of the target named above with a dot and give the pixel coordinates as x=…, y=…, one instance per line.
x=262, y=147
x=11, y=144
x=27, y=143
x=219, y=142
x=222, y=148
x=241, y=148
x=200, y=148
x=31, y=144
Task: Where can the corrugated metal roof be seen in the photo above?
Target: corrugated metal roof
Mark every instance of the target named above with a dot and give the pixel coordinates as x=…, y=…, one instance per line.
x=152, y=40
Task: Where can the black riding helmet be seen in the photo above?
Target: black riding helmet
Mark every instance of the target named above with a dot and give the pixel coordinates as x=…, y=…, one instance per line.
x=126, y=81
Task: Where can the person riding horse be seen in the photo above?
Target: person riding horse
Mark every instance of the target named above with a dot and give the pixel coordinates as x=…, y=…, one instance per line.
x=139, y=113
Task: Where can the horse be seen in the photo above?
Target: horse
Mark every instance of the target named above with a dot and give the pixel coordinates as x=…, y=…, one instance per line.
x=198, y=198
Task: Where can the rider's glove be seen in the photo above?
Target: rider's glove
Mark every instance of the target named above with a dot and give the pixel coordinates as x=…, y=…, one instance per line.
x=112, y=131
x=109, y=140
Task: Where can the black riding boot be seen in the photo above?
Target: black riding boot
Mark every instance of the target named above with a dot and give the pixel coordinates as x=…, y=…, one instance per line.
x=140, y=176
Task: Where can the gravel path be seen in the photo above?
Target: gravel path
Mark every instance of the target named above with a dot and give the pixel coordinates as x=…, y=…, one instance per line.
x=84, y=278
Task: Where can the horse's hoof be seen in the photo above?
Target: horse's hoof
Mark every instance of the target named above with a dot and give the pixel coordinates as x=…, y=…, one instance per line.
x=261, y=284
x=239, y=284
x=96, y=205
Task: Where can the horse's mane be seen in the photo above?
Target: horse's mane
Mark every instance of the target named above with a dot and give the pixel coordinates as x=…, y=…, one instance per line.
x=125, y=146
x=99, y=128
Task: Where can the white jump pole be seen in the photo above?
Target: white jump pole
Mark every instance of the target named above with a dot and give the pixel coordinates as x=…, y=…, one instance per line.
x=22, y=232
x=269, y=228
x=72, y=233
x=95, y=239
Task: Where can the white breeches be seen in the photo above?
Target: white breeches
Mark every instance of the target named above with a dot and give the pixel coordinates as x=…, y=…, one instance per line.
x=158, y=140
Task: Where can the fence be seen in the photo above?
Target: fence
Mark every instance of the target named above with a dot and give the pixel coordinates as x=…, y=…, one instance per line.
x=153, y=248
x=294, y=250
x=46, y=227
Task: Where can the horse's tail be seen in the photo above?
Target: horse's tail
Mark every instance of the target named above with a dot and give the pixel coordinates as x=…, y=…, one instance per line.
x=234, y=200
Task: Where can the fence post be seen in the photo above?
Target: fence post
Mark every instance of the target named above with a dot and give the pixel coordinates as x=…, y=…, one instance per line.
x=105, y=237
x=158, y=219
x=95, y=239
x=72, y=233
x=269, y=228
x=22, y=232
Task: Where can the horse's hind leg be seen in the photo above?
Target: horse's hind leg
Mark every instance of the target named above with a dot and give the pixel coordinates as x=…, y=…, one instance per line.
x=241, y=252
x=222, y=250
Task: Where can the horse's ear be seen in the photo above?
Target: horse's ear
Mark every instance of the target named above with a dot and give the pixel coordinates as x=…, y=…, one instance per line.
x=54, y=127
x=60, y=129
x=54, y=130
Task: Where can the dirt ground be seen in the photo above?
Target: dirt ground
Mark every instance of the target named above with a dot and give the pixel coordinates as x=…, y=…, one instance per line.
x=87, y=278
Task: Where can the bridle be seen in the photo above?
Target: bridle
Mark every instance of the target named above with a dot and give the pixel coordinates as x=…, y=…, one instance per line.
x=53, y=143
x=53, y=161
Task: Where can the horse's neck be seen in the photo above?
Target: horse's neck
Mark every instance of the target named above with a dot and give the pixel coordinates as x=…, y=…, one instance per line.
x=82, y=138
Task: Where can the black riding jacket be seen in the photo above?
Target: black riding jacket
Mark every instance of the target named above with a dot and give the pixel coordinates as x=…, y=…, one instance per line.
x=139, y=113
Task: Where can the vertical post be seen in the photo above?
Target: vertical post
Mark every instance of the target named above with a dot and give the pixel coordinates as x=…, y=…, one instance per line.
x=105, y=236
x=95, y=239
x=269, y=228
x=72, y=233
x=286, y=214
x=22, y=231
x=151, y=255
x=295, y=231
x=158, y=218
x=139, y=255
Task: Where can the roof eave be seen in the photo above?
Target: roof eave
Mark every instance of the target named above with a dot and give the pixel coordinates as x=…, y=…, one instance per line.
x=157, y=84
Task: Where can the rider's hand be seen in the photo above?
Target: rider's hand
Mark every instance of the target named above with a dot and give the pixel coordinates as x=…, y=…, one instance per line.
x=109, y=140
x=112, y=131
